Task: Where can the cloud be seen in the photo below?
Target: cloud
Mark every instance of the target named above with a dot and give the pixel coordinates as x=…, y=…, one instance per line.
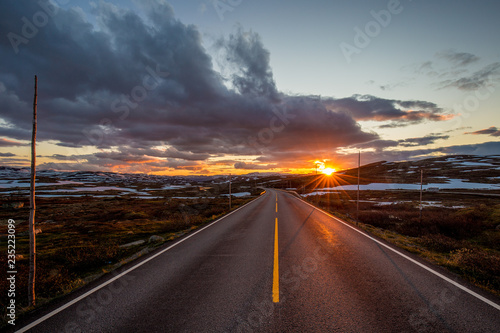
x=10, y=143
x=400, y=113
x=423, y=141
x=493, y=131
x=245, y=51
x=7, y=155
x=476, y=80
x=377, y=144
x=458, y=58
x=253, y=166
x=133, y=82
x=487, y=148
x=380, y=145
x=483, y=149
x=452, y=69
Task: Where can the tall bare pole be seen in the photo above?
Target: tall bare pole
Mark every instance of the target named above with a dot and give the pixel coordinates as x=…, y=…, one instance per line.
x=32, y=269
x=421, y=185
x=229, y=191
x=357, y=201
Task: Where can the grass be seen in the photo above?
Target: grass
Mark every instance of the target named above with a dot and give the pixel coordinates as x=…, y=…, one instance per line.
x=81, y=238
x=466, y=241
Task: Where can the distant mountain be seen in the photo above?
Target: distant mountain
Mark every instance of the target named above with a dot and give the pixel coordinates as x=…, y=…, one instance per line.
x=450, y=170
x=470, y=168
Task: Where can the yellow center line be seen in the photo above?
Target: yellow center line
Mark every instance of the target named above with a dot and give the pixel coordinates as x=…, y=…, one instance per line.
x=276, y=278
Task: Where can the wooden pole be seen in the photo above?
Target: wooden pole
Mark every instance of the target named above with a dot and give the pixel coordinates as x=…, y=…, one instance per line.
x=421, y=185
x=229, y=191
x=32, y=269
x=357, y=200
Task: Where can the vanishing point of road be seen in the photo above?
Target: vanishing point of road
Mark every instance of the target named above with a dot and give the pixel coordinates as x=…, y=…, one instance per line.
x=276, y=264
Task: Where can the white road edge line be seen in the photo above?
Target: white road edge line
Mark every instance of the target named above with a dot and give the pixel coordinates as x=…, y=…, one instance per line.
x=458, y=285
x=76, y=300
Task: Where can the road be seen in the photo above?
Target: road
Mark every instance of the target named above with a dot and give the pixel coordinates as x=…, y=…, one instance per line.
x=275, y=265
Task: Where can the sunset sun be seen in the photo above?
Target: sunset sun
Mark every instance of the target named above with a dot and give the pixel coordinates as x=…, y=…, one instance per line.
x=328, y=171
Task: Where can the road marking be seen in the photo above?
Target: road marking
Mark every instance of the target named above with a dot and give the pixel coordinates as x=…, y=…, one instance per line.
x=276, y=275
x=456, y=284
x=276, y=207
x=76, y=300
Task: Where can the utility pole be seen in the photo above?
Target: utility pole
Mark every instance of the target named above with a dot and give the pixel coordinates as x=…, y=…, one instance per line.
x=357, y=200
x=421, y=185
x=229, y=191
x=32, y=269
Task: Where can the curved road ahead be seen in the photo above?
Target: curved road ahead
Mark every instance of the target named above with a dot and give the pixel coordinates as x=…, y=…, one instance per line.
x=275, y=265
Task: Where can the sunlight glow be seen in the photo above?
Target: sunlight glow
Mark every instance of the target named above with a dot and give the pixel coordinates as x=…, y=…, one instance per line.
x=328, y=171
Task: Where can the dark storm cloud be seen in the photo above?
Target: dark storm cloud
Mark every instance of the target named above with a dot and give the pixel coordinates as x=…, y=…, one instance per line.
x=488, y=148
x=247, y=53
x=493, y=131
x=132, y=83
x=380, y=145
x=423, y=141
x=252, y=166
x=401, y=113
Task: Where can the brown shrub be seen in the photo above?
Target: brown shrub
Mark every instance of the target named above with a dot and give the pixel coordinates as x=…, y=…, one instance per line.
x=441, y=243
x=478, y=262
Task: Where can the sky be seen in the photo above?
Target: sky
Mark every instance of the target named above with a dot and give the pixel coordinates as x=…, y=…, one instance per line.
x=207, y=87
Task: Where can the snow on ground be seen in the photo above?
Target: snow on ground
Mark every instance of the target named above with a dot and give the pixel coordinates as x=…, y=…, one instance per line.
x=475, y=164
x=97, y=189
x=173, y=187
x=451, y=184
x=239, y=194
x=424, y=204
x=19, y=183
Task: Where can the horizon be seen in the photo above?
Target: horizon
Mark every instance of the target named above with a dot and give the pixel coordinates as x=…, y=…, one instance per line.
x=208, y=88
x=314, y=172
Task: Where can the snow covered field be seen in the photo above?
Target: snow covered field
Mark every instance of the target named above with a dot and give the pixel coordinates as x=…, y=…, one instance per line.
x=450, y=184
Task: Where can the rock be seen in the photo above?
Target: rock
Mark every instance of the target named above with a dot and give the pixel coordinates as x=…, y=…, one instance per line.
x=498, y=227
x=19, y=257
x=38, y=231
x=139, y=242
x=155, y=239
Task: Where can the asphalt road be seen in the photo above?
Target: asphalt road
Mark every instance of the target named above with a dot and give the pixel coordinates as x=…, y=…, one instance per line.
x=316, y=274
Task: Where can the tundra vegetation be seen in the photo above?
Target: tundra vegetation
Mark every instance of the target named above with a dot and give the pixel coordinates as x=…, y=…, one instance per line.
x=82, y=238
